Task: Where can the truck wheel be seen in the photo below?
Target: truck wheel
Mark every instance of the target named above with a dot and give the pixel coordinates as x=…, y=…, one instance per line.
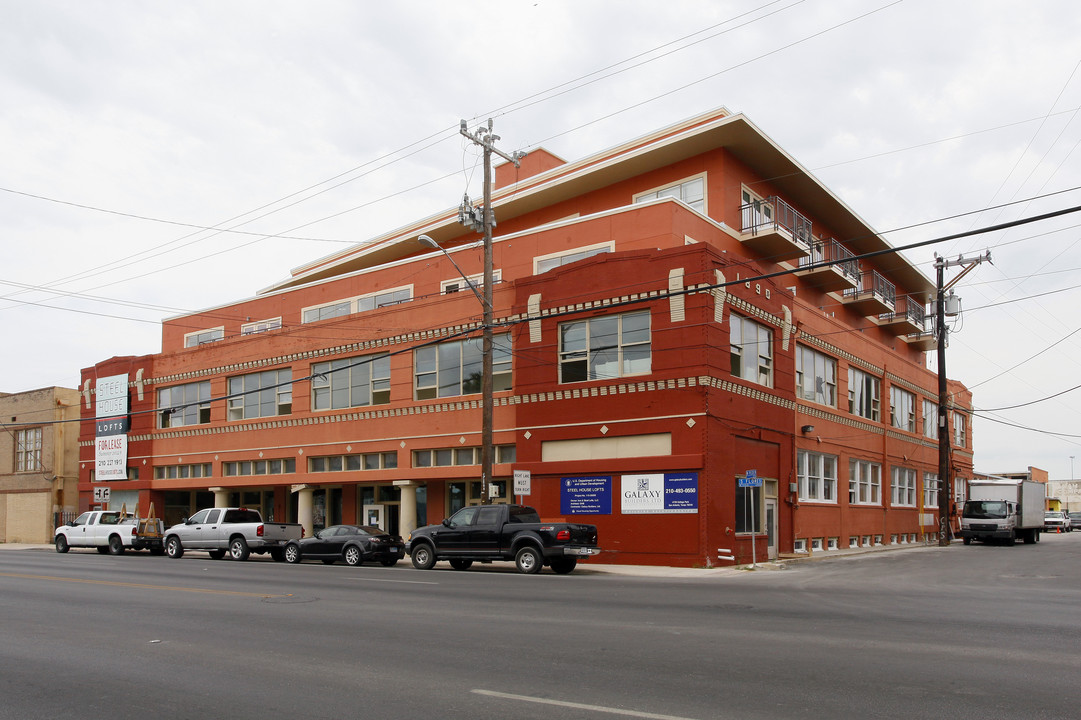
x=529, y=560
x=389, y=562
x=353, y=556
x=116, y=545
x=216, y=554
x=423, y=556
x=564, y=565
x=967, y=541
x=173, y=548
x=292, y=554
x=102, y=549
x=277, y=554
x=1012, y=539
x=461, y=564
x=61, y=544
x=238, y=549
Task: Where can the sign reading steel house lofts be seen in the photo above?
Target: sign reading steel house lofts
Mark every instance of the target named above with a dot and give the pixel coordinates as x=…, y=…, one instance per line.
x=111, y=427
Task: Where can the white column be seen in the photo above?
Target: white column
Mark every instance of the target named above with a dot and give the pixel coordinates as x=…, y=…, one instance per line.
x=407, y=518
x=304, y=509
x=221, y=497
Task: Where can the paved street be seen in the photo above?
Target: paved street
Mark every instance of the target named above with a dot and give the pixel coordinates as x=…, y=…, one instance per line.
x=964, y=632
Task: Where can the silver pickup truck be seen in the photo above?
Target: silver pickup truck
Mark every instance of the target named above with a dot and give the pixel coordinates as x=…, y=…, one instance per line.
x=238, y=531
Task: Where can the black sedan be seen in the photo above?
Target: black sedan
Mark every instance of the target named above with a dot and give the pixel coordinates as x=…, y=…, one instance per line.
x=352, y=543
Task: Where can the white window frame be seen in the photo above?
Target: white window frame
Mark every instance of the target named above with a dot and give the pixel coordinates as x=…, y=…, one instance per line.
x=566, y=257
x=462, y=284
x=902, y=487
x=870, y=407
x=356, y=304
x=281, y=387
x=822, y=365
x=261, y=326
x=502, y=367
x=902, y=408
x=624, y=366
x=930, y=490
x=333, y=377
x=817, y=474
x=196, y=408
x=960, y=429
x=677, y=190
x=930, y=419
x=864, y=482
x=761, y=371
x=28, y=444
x=762, y=210
x=192, y=339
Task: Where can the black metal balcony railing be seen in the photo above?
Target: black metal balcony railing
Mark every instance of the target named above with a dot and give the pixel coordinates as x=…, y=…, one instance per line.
x=772, y=214
x=915, y=312
x=837, y=255
x=872, y=282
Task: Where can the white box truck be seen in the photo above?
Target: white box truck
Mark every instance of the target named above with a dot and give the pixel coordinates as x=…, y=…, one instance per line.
x=1003, y=510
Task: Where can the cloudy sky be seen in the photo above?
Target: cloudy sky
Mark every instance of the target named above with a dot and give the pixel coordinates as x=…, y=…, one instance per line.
x=298, y=128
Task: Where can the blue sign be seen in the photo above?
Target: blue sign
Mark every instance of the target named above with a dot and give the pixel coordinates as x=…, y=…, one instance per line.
x=751, y=479
x=585, y=495
x=681, y=492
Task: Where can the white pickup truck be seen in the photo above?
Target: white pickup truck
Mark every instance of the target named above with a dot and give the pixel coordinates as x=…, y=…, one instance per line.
x=238, y=531
x=110, y=531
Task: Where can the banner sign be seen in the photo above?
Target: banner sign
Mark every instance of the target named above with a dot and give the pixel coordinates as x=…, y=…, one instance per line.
x=111, y=427
x=659, y=493
x=585, y=495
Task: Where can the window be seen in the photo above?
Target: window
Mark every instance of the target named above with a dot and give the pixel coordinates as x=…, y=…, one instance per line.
x=816, y=376
x=746, y=497
x=930, y=490
x=959, y=429
x=454, y=368
x=354, y=463
x=817, y=477
x=447, y=457
x=544, y=263
x=863, y=394
x=692, y=192
x=259, y=467
x=959, y=490
x=262, y=394
x=183, y=405
x=902, y=409
x=28, y=450
x=864, y=483
x=452, y=286
x=752, y=350
x=351, y=382
x=602, y=348
x=903, y=487
x=261, y=326
x=204, y=336
x=755, y=212
x=173, y=472
x=930, y=419
x=339, y=308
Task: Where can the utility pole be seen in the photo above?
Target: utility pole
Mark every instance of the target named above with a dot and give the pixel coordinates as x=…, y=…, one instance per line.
x=945, y=484
x=486, y=139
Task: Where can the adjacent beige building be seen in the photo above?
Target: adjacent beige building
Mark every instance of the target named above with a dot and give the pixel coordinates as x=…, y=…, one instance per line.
x=39, y=458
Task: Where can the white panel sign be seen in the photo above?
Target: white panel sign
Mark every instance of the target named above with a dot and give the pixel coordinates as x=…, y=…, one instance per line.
x=111, y=458
x=111, y=396
x=522, y=482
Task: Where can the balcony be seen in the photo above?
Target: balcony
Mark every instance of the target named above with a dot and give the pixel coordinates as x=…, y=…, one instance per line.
x=775, y=230
x=873, y=295
x=830, y=266
x=924, y=341
x=908, y=317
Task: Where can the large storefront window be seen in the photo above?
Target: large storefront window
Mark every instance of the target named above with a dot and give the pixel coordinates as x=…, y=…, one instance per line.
x=454, y=368
x=603, y=348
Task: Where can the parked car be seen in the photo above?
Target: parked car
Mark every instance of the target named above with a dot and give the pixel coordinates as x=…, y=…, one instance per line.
x=1075, y=519
x=110, y=531
x=240, y=531
x=1056, y=521
x=355, y=544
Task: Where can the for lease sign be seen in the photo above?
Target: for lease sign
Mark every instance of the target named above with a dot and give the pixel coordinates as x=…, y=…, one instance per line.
x=111, y=443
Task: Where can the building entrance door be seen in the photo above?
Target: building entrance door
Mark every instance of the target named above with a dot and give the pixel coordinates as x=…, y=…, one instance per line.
x=771, y=527
x=375, y=515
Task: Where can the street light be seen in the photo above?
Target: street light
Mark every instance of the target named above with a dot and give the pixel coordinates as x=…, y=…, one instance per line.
x=486, y=360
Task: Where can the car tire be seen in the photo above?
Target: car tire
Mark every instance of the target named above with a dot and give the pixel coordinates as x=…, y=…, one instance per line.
x=116, y=545
x=173, y=548
x=564, y=565
x=461, y=564
x=277, y=554
x=422, y=556
x=61, y=544
x=353, y=556
x=216, y=554
x=102, y=549
x=389, y=562
x=528, y=560
x=238, y=549
x=292, y=554
x=329, y=561
x=967, y=541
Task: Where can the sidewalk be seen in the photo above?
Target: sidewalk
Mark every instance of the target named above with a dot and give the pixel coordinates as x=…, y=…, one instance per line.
x=589, y=567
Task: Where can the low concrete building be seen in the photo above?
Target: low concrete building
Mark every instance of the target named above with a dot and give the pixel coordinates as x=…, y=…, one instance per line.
x=39, y=462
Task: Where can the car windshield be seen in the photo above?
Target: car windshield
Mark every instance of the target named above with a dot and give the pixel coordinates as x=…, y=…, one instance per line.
x=984, y=509
x=1052, y=515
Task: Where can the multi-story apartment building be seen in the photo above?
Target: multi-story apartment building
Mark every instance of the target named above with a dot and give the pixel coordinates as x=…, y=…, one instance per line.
x=665, y=323
x=38, y=462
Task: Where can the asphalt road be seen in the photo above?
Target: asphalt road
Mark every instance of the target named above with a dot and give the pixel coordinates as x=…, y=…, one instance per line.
x=962, y=632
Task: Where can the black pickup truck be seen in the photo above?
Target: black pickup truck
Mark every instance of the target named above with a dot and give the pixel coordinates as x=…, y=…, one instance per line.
x=502, y=532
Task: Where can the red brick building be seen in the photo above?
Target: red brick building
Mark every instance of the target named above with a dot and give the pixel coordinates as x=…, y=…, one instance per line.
x=655, y=340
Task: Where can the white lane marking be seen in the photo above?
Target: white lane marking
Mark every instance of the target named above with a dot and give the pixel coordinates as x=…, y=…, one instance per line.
x=579, y=706
x=407, y=582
